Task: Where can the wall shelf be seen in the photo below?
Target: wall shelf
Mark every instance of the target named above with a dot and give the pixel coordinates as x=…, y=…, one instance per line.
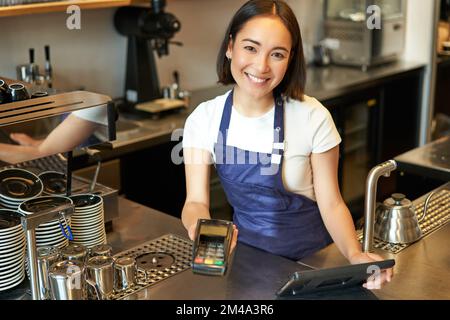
x=61, y=6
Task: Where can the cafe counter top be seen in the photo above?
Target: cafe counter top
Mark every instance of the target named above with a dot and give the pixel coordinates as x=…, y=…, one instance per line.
x=430, y=160
x=253, y=274
x=421, y=270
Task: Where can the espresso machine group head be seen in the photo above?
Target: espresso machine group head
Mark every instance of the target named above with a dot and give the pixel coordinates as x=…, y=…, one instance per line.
x=148, y=30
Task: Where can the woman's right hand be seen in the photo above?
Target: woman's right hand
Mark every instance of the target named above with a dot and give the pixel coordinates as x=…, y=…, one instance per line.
x=193, y=227
x=191, y=231
x=234, y=238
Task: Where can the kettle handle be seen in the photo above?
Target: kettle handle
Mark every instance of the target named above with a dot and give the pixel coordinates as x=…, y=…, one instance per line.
x=379, y=206
x=425, y=206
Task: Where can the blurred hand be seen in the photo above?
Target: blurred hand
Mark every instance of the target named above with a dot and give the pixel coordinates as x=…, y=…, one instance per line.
x=193, y=227
x=24, y=139
x=234, y=238
x=191, y=231
x=373, y=282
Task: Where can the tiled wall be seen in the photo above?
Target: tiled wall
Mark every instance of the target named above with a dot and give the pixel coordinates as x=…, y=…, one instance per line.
x=94, y=57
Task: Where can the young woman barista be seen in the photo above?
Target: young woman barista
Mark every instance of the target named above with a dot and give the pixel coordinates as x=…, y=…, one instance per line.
x=274, y=148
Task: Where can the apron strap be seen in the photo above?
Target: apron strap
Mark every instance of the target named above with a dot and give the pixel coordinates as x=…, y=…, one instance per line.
x=225, y=121
x=278, y=146
x=278, y=130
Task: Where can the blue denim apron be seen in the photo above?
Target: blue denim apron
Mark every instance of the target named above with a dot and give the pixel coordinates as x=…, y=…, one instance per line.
x=267, y=216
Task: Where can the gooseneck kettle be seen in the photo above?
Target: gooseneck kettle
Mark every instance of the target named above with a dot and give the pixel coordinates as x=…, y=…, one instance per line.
x=396, y=220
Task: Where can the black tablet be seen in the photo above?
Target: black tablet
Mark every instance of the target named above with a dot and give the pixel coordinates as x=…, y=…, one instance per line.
x=310, y=281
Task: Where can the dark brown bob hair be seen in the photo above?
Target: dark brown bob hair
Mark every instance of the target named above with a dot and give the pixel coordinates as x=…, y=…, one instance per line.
x=293, y=83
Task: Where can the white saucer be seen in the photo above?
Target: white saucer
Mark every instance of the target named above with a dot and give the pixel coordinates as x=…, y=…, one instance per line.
x=5, y=232
x=12, y=243
x=11, y=235
x=90, y=209
x=51, y=223
x=9, y=206
x=95, y=213
x=18, y=246
x=50, y=228
x=93, y=224
x=57, y=243
x=12, y=263
x=49, y=237
x=13, y=282
x=54, y=225
x=97, y=197
x=10, y=201
x=92, y=227
x=4, y=275
x=7, y=258
x=89, y=223
x=7, y=203
x=46, y=234
x=85, y=226
x=88, y=229
x=8, y=264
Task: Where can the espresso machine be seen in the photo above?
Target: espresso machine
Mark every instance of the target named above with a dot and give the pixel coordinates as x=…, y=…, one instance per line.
x=34, y=199
x=149, y=31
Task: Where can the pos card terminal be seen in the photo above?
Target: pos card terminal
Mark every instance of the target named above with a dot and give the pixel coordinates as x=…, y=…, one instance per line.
x=211, y=248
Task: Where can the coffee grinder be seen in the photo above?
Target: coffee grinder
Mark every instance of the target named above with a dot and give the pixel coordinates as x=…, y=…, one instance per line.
x=148, y=30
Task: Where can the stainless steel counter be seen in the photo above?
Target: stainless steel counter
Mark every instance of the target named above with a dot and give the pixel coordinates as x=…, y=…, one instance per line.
x=330, y=82
x=254, y=274
x=431, y=160
x=421, y=270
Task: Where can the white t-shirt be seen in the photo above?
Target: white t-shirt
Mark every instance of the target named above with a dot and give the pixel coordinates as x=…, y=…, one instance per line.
x=309, y=128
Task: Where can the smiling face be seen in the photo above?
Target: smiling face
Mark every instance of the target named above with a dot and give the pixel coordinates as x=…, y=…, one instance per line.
x=260, y=56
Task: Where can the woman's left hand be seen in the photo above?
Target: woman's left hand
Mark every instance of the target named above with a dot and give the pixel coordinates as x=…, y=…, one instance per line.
x=374, y=281
x=25, y=140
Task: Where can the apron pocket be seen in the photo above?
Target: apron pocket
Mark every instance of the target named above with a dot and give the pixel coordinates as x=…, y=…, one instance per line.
x=252, y=197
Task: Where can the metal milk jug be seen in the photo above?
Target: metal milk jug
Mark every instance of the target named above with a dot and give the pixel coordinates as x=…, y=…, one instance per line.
x=46, y=256
x=67, y=280
x=100, y=277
